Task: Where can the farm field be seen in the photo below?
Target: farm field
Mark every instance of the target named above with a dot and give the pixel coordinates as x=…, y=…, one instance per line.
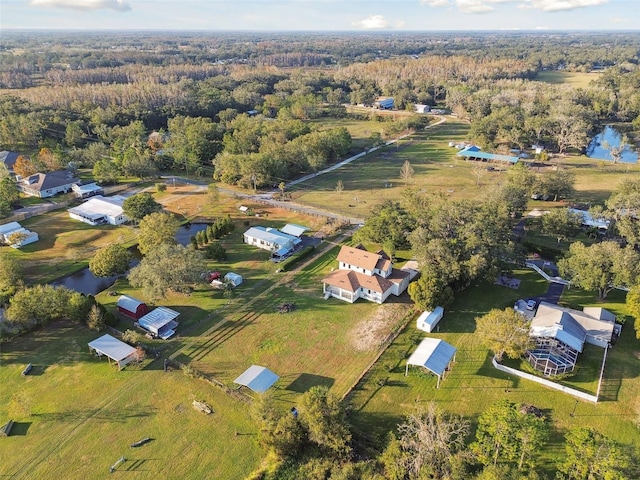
x=473, y=384
x=376, y=177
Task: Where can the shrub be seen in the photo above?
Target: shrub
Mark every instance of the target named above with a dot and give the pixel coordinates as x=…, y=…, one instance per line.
x=290, y=262
x=161, y=187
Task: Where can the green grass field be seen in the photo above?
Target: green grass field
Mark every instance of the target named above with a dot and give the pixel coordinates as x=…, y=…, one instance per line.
x=473, y=384
x=575, y=79
x=76, y=415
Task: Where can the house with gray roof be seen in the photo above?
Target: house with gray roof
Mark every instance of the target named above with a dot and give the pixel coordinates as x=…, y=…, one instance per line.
x=46, y=185
x=9, y=159
x=559, y=334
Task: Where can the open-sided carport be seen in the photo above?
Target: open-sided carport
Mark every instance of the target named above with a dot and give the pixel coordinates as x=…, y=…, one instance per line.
x=113, y=349
x=433, y=354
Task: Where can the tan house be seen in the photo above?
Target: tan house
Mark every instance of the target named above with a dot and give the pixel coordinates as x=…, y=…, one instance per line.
x=364, y=274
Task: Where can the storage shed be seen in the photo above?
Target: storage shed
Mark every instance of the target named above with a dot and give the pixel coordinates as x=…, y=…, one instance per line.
x=160, y=322
x=234, y=278
x=427, y=321
x=132, y=307
x=120, y=352
x=433, y=354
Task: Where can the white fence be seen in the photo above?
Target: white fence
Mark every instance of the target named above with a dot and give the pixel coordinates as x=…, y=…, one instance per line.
x=545, y=382
x=547, y=277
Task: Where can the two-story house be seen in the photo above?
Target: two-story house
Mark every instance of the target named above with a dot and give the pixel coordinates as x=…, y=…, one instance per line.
x=364, y=274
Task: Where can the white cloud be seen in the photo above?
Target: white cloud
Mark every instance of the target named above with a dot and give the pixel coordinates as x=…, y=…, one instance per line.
x=372, y=22
x=474, y=6
x=118, y=5
x=557, y=5
x=484, y=6
x=435, y=3
x=619, y=20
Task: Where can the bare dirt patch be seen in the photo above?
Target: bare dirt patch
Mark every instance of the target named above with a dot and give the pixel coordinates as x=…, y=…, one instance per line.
x=371, y=332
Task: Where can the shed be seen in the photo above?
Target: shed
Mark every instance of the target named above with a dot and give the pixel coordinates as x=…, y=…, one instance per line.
x=234, y=278
x=420, y=108
x=433, y=354
x=9, y=229
x=113, y=349
x=257, y=378
x=132, y=307
x=427, y=321
x=160, y=322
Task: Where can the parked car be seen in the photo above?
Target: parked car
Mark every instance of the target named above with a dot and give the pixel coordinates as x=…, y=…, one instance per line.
x=213, y=276
x=531, y=304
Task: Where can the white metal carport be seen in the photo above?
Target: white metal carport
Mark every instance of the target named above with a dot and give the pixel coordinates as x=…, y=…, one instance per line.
x=433, y=354
x=113, y=349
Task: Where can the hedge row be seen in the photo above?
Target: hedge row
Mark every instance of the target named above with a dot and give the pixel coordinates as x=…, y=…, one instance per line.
x=295, y=258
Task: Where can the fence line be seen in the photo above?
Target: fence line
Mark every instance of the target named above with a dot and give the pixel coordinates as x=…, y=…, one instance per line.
x=545, y=382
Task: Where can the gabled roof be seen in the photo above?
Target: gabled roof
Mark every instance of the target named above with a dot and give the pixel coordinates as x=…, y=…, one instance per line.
x=269, y=235
x=576, y=322
x=257, y=378
x=433, y=354
x=112, y=347
x=8, y=158
x=46, y=181
x=351, y=281
x=9, y=228
x=158, y=318
x=99, y=206
x=358, y=258
x=293, y=229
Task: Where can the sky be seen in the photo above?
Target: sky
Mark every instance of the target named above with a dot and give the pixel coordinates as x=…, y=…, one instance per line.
x=320, y=15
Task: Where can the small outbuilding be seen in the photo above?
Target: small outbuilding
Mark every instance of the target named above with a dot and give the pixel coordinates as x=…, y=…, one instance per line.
x=120, y=352
x=257, y=378
x=433, y=354
x=160, y=322
x=427, y=321
x=132, y=307
x=234, y=278
x=16, y=235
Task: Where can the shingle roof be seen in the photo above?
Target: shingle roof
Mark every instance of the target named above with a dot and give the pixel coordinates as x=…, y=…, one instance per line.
x=45, y=181
x=358, y=258
x=351, y=281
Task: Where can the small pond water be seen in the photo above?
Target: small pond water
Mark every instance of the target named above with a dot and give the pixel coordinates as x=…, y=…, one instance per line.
x=613, y=137
x=84, y=281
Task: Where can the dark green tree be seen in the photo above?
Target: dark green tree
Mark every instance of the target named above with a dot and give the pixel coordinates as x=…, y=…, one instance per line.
x=111, y=260
x=137, y=206
x=156, y=229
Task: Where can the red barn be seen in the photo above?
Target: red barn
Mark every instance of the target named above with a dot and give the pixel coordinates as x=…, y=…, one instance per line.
x=132, y=307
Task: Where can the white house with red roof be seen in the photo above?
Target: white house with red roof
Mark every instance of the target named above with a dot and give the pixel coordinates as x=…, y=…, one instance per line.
x=364, y=274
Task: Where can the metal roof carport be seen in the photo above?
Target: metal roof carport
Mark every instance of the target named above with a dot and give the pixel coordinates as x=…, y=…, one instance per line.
x=257, y=378
x=113, y=349
x=433, y=354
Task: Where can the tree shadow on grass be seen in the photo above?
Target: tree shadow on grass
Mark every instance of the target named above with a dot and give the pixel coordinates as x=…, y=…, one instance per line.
x=101, y=415
x=305, y=381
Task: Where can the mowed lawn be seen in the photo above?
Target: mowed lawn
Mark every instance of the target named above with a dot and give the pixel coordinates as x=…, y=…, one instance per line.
x=322, y=342
x=65, y=245
x=472, y=385
x=76, y=415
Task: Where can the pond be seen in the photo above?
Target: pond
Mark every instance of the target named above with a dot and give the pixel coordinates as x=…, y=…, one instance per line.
x=84, y=281
x=188, y=230
x=613, y=137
